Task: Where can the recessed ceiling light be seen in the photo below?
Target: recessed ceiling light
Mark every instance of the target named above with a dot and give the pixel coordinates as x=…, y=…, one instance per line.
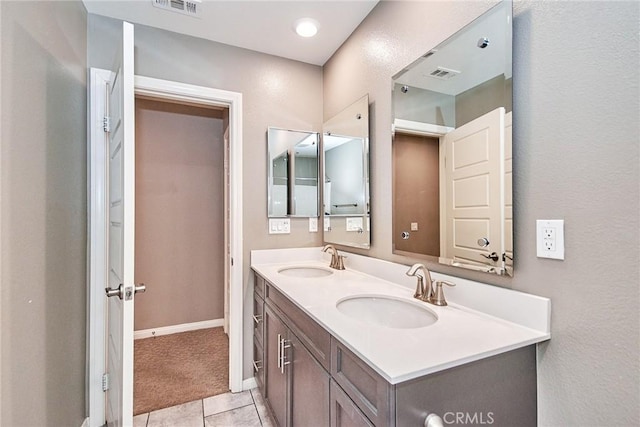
x=306, y=27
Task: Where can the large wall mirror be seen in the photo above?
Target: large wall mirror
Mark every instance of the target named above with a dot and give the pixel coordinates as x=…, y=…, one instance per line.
x=345, y=141
x=452, y=167
x=293, y=173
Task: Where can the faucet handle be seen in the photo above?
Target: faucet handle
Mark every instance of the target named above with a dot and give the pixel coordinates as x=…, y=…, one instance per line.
x=438, y=294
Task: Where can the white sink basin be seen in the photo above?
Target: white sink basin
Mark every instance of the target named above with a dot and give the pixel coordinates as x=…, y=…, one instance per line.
x=305, y=271
x=383, y=310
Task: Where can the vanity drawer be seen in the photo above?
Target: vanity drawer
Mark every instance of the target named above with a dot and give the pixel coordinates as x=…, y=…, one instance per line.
x=258, y=285
x=310, y=333
x=258, y=318
x=368, y=390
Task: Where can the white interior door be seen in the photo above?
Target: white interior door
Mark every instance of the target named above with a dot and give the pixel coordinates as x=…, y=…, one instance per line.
x=121, y=199
x=474, y=205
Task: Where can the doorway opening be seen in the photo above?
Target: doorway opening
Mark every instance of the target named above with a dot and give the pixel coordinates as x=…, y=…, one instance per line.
x=181, y=353
x=229, y=112
x=416, y=194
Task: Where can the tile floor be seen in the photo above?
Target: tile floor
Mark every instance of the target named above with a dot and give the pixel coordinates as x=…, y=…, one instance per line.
x=245, y=409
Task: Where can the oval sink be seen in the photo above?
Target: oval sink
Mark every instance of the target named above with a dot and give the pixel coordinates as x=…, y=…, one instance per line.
x=387, y=311
x=305, y=271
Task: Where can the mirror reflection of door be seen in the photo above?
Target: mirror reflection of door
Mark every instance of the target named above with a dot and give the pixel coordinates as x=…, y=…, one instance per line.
x=473, y=192
x=416, y=194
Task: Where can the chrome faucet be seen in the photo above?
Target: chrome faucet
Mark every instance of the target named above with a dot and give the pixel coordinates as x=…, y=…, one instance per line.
x=337, y=260
x=424, y=291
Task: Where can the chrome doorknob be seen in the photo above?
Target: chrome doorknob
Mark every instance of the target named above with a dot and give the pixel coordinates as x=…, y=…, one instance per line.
x=121, y=293
x=483, y=243
x=115, y=292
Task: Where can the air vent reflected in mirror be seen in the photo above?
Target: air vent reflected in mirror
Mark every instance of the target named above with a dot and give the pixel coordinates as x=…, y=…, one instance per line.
x=443, y=73
x=185, y=7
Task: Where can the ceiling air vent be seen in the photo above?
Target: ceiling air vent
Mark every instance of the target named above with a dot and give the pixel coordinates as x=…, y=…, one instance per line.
x=185, y=7
x=443, y=73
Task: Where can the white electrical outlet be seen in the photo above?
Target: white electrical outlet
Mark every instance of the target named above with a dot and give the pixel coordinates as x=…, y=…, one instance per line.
x=550, y=238
x=313, y=225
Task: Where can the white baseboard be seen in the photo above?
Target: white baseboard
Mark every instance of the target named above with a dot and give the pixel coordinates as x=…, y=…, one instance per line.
x=249, y=383
x=85, y=423
x=174, y=329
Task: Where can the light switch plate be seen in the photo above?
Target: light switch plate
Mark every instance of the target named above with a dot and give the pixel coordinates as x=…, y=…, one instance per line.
x=279, y=226
x=354, y=224
x=313, y=225
x=550, y=238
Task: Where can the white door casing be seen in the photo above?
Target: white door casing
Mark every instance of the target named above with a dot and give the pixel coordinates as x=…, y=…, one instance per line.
x=508, y=191
x=181, y=93
x=199, y=95
x=473, y=187
x=121, y=234
x=227, y=220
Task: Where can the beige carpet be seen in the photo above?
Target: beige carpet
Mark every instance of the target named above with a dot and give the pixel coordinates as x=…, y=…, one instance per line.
x=178, y=368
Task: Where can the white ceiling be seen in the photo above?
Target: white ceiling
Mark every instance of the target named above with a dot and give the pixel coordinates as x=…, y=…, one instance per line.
x=262, y=25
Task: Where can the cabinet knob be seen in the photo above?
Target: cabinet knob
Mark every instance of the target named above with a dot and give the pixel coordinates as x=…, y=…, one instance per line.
x=433, y=420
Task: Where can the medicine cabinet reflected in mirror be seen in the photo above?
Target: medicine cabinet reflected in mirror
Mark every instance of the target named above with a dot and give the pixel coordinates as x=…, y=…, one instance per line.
x=345, y=141
x=292, y=173
x=452, y=162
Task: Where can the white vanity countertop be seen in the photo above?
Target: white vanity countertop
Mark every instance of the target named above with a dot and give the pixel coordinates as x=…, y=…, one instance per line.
x=461, y=335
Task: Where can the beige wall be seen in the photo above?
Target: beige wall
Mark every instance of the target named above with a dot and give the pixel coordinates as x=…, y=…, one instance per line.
x=576, y=156
x=43, y=228
x=179, y=214
x=276, y=92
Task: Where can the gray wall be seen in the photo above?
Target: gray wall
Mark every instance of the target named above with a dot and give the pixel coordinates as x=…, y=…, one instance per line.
x=576, y=156
x=276, y=92
x=43, y=226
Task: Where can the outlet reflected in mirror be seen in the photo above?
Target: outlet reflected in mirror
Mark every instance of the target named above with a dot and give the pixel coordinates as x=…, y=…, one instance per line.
x=293, y=173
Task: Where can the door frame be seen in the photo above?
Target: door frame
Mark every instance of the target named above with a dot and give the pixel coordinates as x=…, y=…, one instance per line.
x=97, y=225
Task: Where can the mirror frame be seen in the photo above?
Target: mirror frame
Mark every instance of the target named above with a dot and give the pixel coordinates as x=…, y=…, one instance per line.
x=500, y=264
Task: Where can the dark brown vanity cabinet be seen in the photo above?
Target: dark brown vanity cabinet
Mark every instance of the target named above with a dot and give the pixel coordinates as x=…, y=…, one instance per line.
x=313, y=379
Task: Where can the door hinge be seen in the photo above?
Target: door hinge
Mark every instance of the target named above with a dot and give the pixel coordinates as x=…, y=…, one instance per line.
x=106, y=124
x=105, y=382
x=231, y=262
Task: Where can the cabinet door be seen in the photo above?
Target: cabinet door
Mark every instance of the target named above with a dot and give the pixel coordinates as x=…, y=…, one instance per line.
x=345, y=413
x=309, y=388
x=276, y=379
